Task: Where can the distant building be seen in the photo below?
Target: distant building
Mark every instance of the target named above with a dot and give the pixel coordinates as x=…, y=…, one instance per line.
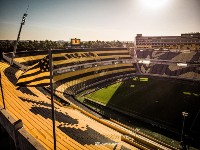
x=187, y=41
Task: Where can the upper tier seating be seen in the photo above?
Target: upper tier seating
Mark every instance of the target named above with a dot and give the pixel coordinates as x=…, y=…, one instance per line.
x=192, y=56
x=75, y=67
x=167, y=63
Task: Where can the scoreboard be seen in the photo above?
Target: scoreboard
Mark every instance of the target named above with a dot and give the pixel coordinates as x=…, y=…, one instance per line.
x=75, y=42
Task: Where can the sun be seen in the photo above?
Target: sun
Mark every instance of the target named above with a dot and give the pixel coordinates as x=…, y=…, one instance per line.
x=154, y=4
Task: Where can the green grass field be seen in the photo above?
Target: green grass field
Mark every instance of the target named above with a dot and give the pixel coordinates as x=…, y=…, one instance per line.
x=160, y=100
x=119, y=91
x=105, y=94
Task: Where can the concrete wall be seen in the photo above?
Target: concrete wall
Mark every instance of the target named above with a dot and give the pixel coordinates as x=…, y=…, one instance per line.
x=22, y=139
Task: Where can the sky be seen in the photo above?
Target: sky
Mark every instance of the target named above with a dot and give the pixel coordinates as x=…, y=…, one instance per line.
x=106, y=20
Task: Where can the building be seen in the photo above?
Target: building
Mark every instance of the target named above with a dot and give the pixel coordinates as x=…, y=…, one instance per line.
x=187, y=41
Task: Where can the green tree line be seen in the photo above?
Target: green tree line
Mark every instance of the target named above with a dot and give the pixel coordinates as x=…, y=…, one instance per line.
x=8, y=46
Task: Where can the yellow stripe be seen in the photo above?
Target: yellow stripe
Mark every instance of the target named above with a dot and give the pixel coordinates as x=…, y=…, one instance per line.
x=86, y=58
x=3, y=66
x=31, y=71
x=33, y=77
x=18, y=73
x=58, y=55
x=62, y=87
x=118, y=51
x=39, y=57
x=28, y=58
x=69, y=74
x=39, y=82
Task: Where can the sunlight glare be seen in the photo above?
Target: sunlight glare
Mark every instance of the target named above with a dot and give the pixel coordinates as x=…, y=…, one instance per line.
x=154, y=4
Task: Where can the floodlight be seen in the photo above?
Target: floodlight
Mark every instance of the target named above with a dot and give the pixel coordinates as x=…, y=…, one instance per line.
x=182, y=64
x=24, y=18
x=146, y=61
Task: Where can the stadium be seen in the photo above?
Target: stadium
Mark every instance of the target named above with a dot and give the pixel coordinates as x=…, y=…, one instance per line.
x=108, y=94
x=105, y=98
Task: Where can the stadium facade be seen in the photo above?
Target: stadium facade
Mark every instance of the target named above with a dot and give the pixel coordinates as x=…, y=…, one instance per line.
x=187, y=41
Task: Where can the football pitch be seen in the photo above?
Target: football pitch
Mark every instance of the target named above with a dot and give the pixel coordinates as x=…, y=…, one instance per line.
x=158, y=99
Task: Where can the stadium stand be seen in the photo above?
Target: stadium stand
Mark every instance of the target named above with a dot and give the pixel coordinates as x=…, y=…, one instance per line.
x=74, y=68
x=96, y=66
x=74, y=130
x=178, y=56
x=180, y=64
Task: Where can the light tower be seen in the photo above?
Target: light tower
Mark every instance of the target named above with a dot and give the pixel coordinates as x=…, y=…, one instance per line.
x=18, y=37
x=20, y=29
